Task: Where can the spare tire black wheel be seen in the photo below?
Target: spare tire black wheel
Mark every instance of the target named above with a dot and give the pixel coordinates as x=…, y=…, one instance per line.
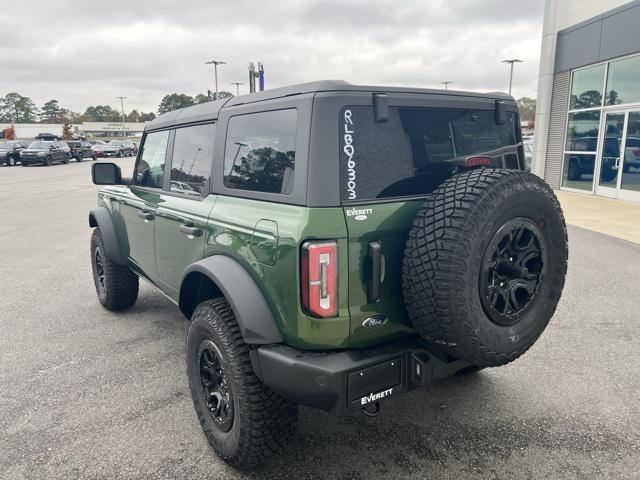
x=485, y=265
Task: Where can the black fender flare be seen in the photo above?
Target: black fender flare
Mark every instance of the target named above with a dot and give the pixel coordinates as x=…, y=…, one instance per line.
x=101, y=218
x=252, y=312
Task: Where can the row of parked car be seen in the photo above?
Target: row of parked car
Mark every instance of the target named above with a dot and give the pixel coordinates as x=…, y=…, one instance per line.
x=46, y=152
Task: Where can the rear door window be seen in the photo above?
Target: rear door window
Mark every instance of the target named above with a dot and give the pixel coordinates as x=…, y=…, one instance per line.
x=192, y=157
x=418, y=148
x=260, y=151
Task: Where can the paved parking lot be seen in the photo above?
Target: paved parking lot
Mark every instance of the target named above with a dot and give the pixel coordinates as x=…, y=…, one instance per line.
x=86, y=393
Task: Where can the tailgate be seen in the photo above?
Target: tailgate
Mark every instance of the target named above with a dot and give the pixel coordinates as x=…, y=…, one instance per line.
x=377, y=235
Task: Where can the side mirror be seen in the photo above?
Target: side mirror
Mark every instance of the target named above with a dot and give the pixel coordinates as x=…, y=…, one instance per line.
x=106, y=174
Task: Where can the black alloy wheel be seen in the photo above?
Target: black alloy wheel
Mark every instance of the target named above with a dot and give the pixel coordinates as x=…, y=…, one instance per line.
x=100, y=281
x=216, y=391
x=512, y=269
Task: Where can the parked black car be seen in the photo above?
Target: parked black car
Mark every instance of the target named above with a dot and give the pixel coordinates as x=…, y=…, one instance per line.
x=81, y=149
x=126, y=147
x=47, y=137
x=45, y=153
x=10, y=151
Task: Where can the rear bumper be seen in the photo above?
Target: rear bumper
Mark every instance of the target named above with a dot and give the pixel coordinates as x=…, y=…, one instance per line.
x=344, y=381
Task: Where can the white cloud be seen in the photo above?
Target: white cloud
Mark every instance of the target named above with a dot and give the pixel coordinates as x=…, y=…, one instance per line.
x=82, y=55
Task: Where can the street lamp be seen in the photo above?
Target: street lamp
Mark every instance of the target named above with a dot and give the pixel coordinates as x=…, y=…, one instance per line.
x=511, y=62
x=446, y=84
x=124, y=125
x=237, y=84
x=215, y=64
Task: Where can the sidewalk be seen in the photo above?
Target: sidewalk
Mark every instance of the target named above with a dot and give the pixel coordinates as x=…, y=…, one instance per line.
x=605, y=215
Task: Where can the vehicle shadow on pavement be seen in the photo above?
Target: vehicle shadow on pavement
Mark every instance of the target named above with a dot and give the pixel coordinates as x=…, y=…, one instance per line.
x=410, y=435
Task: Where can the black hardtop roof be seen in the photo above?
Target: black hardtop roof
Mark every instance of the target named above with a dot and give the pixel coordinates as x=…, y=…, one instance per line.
x=209, y=110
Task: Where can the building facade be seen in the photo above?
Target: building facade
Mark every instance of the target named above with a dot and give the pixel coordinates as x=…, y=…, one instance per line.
x=86, y=130
x=588, y=108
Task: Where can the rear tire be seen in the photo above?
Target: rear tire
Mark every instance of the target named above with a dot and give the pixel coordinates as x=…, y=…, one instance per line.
x=116, y=285
x=485, y=265
x=244, y=421
x=11, y=161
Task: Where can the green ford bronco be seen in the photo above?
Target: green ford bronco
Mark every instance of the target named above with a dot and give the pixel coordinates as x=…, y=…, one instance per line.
x=332, y=246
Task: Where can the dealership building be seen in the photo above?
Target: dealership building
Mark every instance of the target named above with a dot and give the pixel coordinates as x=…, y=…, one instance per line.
x=588, y=109
x=86, y=130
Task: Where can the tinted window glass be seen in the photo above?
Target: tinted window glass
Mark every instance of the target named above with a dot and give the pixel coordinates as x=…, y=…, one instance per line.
x=192, y=157
x=623, y=84
x=260, y=151
x=582, y=131
x=418, y=148
x=150, y=168
x=586, y=87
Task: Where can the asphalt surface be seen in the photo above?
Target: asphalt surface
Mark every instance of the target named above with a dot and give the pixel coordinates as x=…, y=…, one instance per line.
x=86, y=393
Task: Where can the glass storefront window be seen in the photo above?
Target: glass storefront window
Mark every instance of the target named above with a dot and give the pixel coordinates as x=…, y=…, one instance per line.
x=586, y=87
x=623, y=82
x=582, y=131
x=578, y=170
x=631, y=165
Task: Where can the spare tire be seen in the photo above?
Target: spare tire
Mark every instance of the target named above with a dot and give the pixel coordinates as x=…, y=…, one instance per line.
x=485, y=264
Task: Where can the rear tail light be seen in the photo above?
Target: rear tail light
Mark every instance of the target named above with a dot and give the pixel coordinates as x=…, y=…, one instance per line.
x=319, y=278
x=478, y=161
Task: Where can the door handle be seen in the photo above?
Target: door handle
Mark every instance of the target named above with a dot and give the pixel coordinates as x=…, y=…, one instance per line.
x=146, y=215
x=375, y=281
x=190, y=231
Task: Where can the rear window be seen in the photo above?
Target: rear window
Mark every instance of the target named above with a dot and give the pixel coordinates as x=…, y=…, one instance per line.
x=260, y=151
x=418, y=148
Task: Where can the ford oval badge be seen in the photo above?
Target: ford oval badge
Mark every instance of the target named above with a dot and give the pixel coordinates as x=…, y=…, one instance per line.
x=374, y=321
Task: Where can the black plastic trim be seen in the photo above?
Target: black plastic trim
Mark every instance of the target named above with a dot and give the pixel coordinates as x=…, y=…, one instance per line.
x=101, y=218
x=249, y=306
x=325, y=380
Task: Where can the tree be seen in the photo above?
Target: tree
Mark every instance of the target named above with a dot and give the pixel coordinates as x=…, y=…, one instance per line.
x=224, y=94
x=8, y=133
x=175, y=101
x=51, y=112
x=527, y=107
x=201, y=98
x=147, y=117
x=101, y=113
x=16, y=108
x=67, y=131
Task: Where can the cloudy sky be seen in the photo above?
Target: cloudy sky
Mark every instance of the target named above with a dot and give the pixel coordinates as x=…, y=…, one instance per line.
x=88, y=52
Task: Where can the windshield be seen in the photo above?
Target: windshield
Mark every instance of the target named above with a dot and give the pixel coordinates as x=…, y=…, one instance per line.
x=6, y=145
x=40, y=145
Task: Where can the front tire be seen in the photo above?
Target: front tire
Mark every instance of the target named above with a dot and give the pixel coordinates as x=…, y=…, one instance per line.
x=116, y=285
x=243, y=420
x=11, y=161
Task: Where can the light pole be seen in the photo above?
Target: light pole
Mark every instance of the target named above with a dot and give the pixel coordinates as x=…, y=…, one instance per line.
x=446, y=84
x=124, y=125
x=215, y=64
x=237, y=84
x=511, y=62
